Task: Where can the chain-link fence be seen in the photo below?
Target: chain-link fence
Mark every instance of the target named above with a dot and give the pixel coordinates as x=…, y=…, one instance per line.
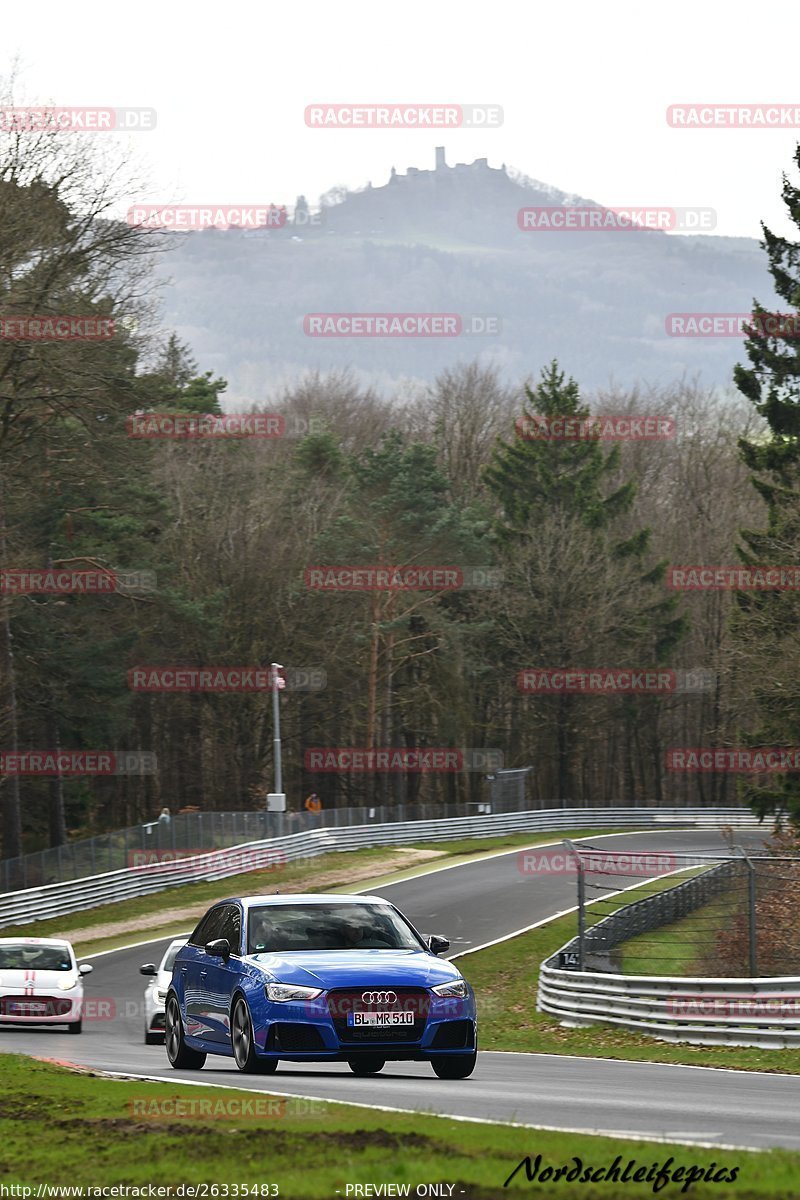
x=692, y=914
x=193, y=833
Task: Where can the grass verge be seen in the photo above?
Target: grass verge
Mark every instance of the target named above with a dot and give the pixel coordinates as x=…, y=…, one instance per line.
x=62, y=1127
x=686, y=947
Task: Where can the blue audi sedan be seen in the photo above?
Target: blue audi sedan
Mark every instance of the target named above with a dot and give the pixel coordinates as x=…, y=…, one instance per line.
x=321, y=978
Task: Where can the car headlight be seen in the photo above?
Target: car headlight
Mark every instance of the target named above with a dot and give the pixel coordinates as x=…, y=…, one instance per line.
x=160, y=995
x=456, y=987
x=281, y=992
x=66, y=985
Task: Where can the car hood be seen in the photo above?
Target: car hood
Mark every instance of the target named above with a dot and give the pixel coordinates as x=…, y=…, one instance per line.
x=348, y=968
x=36, y=981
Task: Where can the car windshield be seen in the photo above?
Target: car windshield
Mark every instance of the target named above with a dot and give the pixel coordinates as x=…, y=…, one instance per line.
x=34, y=958
x=276, y=928
x=170, y=956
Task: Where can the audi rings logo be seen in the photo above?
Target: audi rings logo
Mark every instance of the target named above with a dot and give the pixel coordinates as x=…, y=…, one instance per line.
x=379, y=997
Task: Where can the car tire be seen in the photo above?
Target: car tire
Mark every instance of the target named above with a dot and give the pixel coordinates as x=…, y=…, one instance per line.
x=181, y=1056
x=243, y=1043
x=366, y=1064
x=153, y=1038
x=75, y=1027
x=454, y=1066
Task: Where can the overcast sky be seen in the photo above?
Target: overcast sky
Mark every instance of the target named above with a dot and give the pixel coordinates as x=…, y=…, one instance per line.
x=584, y=87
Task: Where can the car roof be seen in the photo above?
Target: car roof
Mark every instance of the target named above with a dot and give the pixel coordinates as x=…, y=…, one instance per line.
x=36, y=941
x=302, y=898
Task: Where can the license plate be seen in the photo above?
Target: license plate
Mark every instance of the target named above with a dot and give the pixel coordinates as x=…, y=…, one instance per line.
x=27, y=1006
x=380, y=1018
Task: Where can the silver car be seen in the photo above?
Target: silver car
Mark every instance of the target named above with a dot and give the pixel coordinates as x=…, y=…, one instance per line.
x=156, y=993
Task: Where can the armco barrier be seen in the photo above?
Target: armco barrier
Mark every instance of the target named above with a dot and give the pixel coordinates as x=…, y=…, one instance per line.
x=704, y=1012
x=56, y=899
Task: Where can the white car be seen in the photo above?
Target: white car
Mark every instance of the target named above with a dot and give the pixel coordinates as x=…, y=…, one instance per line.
x=156, y=993
x=41, y=983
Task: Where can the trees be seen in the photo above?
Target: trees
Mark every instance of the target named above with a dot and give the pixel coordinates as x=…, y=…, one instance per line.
x=767, y=624
x=581, y=590
x=61, y=254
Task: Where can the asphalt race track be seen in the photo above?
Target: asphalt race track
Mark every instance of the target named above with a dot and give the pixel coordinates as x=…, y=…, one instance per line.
x=472, y=904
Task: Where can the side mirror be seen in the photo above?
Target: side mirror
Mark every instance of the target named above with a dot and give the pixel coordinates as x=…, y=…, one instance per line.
x=85, y=969
x=219, y=948
x=148, y=969
x=438, y=944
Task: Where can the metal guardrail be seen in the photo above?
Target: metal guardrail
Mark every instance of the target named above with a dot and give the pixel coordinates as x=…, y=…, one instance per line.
x=17, y=908
x=198, y=831
x=707, y=1011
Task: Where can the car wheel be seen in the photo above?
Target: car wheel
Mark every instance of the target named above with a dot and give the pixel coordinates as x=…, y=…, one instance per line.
x=244, y=1043
x=366, y=1064
x=179, y=1054
x=75, y=1027
x=454, y=1066
x=153, y=1038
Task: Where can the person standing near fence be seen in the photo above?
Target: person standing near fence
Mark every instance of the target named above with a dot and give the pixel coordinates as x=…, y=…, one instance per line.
x=313, y=807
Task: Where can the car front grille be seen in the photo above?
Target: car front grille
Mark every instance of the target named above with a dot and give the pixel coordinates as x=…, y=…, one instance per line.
x=342, y=1001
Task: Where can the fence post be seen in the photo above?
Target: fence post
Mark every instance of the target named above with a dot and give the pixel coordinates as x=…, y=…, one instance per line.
x=581, y=905
x=751, y=918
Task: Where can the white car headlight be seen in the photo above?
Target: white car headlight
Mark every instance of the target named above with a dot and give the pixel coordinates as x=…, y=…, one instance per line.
x=456, y=987
x=66, y=985
x=160, y=995
x=281, y=992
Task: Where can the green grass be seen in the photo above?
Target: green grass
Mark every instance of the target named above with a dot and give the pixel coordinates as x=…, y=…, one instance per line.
x=60, y=1127
x=684, y=948
x=148, y=910
x=505, y=978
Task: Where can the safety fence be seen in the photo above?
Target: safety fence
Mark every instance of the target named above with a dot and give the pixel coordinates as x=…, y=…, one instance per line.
x=579, y=986
x=197, y=831
x=156, y=873
x=194, y=832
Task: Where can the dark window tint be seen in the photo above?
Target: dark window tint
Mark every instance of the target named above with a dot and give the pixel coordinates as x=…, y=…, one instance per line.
x=232, y=927
x=209, y=927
